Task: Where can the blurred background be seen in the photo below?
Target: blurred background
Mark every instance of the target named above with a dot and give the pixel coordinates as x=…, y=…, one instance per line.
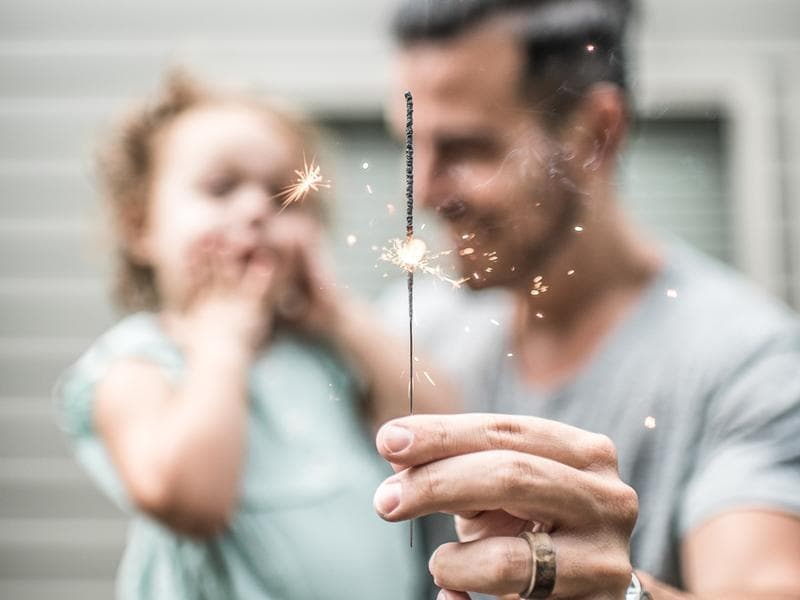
x=714, y=158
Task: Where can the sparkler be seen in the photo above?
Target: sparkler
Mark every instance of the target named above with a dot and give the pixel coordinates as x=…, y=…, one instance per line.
x=308, y=179
x=411, y=254
x=414, y=253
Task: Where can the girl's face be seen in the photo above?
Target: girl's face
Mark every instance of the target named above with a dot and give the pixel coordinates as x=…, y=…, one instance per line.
x=218, y=170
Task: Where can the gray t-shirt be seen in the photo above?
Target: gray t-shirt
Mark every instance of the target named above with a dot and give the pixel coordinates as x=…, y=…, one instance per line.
x=698, y=387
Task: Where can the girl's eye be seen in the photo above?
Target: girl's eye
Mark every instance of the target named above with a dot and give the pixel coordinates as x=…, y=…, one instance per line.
x=219, y=187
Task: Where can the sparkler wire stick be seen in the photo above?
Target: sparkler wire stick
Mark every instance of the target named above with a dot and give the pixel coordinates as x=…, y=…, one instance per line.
x=410, y=272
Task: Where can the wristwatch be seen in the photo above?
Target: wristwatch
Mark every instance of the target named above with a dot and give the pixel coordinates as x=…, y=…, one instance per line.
x=636, y=591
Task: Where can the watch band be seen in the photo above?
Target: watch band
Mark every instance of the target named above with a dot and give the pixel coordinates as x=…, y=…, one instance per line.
x=636, y=591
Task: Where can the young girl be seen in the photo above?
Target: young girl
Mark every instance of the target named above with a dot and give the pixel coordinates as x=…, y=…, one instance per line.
x=220, y=414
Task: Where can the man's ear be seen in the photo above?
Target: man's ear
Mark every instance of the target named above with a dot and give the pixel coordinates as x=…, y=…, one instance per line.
x=595, y=131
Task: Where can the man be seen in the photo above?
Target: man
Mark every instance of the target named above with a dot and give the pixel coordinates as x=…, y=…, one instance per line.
x=623, y=346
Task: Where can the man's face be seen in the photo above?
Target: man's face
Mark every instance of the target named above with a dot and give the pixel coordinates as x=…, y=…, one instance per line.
x=484, y=160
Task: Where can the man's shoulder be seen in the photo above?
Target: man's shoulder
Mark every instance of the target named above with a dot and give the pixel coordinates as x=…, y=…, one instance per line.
x=703, y=310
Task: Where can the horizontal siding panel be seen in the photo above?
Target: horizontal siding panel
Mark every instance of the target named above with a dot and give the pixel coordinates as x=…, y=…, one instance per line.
x=62, y=589
x=29, y=195
x=58, y=250
x=60, y=548
x=95, y=19
x=28, y=429
x=50, y=489
x=30, y=368
x=29, y=312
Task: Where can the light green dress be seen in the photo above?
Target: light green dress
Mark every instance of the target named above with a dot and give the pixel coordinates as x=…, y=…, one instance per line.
x=305, y=527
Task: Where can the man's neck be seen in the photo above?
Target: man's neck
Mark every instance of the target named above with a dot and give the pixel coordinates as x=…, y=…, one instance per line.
x=590, y=287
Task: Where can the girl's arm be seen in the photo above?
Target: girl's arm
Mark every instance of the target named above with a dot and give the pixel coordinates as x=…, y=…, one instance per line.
x=179, y=450
x=382, y=360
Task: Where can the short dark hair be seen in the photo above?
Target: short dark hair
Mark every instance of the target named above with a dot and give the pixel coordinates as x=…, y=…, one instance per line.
x=570, y=45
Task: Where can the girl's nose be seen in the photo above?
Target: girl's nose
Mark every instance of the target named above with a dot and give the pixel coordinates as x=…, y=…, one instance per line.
x=254, y=205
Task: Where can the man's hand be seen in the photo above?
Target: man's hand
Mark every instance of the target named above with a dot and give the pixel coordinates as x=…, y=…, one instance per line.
x=502, y=475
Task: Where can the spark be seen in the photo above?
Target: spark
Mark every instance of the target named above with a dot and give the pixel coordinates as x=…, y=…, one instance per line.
x=390, y=209
x=650, y=422
x=590, y=48
x=538, y=286
x=429, y=378
x=351, y=240
x=466, y=251
x=365, y=165
x=412, y=255
x=672, y=293
x=466, y=329
x=539, y=315
x=571, y=272
x=309, y=179
x=494, y=322
x=578, y=228
x=510, y=355
x=369, y=189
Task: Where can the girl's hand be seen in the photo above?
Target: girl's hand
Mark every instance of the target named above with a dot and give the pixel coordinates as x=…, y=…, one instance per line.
x=231, y=298
x=310, y=299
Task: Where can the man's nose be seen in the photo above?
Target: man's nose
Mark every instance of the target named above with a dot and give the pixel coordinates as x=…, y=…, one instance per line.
x=428, y=182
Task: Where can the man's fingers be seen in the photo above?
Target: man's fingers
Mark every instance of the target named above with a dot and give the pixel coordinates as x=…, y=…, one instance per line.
x=421, y=439
x=503, y=565
x=528, y=487
x=475, y=526
x=497, y=565
x=451, y=595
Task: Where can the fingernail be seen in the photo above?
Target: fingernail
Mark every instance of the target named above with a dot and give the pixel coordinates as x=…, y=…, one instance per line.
x=397, y=439
x=442, y=595
x=430, y=561
x=387, y=497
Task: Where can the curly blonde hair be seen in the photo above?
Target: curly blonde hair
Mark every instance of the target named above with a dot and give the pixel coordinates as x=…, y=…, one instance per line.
x=126, y=164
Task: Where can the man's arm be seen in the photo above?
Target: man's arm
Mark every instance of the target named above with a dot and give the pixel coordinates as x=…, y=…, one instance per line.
x=744, y=555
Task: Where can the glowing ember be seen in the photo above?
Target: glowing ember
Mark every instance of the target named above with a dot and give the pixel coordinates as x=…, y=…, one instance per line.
x=650, y=422
x=538, y=286
x=412, y=255
x=309, y=179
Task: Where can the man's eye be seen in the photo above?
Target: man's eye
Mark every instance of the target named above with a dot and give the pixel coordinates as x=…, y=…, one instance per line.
x=467, y=150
